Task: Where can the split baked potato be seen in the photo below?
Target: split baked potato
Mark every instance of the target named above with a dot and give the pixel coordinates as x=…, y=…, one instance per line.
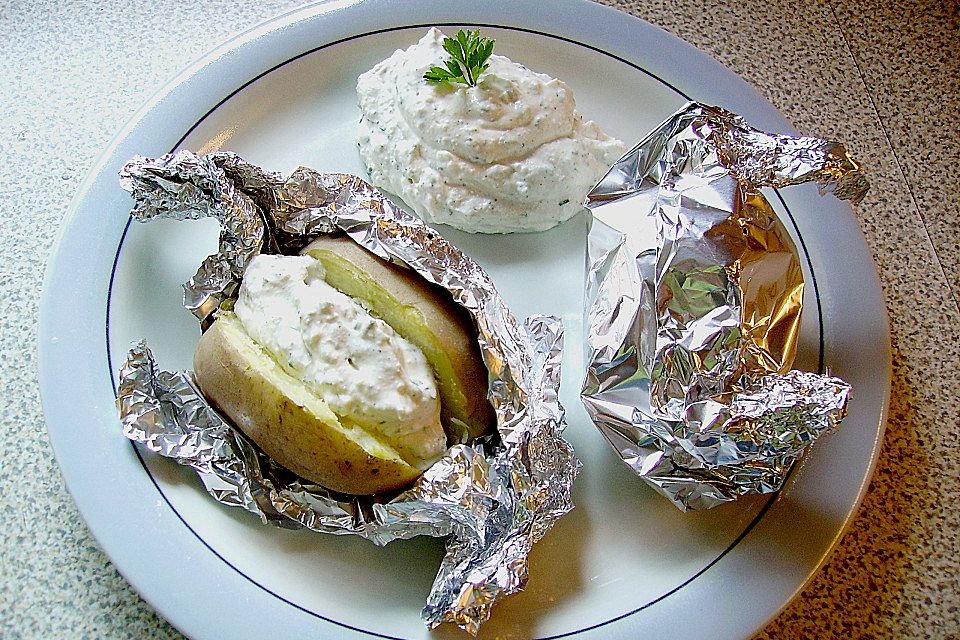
x=297, y=428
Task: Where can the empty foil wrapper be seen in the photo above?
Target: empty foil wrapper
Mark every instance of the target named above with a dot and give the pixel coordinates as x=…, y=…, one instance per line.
x=493, y=498
x=693, y=299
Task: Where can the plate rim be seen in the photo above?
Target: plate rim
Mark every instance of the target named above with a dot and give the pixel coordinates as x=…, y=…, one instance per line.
x=217, y=56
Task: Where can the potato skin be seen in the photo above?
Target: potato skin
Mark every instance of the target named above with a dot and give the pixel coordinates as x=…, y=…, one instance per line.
x=425, y=315
x=287, y=421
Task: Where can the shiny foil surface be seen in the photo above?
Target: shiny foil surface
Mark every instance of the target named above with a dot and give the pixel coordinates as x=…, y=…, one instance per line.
x=693, y=299
x=494, y=498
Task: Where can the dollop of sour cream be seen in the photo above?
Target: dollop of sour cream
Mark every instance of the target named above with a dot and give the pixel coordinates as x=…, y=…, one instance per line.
x=509, y=154
x=357, y=363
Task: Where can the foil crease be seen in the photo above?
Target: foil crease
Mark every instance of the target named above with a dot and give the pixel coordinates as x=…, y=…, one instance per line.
x=494, y=498
x=693, y=299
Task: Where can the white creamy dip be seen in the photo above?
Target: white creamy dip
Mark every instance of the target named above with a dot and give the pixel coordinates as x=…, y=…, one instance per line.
x=355, y=362
x=510, y=154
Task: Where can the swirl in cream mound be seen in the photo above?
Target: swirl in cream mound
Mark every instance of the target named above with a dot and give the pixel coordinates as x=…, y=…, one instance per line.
x=510, y=154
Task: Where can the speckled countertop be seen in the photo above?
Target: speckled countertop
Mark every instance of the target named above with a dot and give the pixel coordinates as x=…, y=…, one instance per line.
x=884, y=77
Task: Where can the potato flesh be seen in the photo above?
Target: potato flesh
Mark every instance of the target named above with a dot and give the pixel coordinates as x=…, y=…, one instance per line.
x=287, y=421
x=419, y=313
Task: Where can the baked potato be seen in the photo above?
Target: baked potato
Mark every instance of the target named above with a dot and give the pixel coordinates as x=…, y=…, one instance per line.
x=292, y=421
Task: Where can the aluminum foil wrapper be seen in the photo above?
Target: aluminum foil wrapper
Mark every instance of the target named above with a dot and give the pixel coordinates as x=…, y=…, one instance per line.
x=494, y=498
x=693, y=299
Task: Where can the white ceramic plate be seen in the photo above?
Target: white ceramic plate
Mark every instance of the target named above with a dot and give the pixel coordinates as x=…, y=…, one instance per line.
x=625, y=563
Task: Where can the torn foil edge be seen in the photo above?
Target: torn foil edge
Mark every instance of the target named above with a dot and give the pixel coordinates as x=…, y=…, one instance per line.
x=699, y=408
x=494, y=500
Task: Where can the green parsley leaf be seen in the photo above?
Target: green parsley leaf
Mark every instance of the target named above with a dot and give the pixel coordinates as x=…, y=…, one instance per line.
x=469, y=53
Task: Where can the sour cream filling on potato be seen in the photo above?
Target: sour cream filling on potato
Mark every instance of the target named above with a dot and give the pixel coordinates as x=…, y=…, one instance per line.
x=510, y=154
x=355, y=362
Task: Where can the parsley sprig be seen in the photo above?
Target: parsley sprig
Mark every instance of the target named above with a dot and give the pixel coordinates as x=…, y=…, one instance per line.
x=469, y=54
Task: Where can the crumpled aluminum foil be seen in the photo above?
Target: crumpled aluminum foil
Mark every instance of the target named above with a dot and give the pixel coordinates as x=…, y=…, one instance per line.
x=693, y=299
x=495, y=498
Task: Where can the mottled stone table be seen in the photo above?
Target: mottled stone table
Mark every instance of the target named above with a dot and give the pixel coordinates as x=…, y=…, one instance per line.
x=881, y=76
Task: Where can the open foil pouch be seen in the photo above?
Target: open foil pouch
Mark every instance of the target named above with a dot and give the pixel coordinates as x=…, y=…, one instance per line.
x=693, y=299
x=494, y=497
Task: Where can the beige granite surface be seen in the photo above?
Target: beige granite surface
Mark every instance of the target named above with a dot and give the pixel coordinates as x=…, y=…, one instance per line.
x=881, y=76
